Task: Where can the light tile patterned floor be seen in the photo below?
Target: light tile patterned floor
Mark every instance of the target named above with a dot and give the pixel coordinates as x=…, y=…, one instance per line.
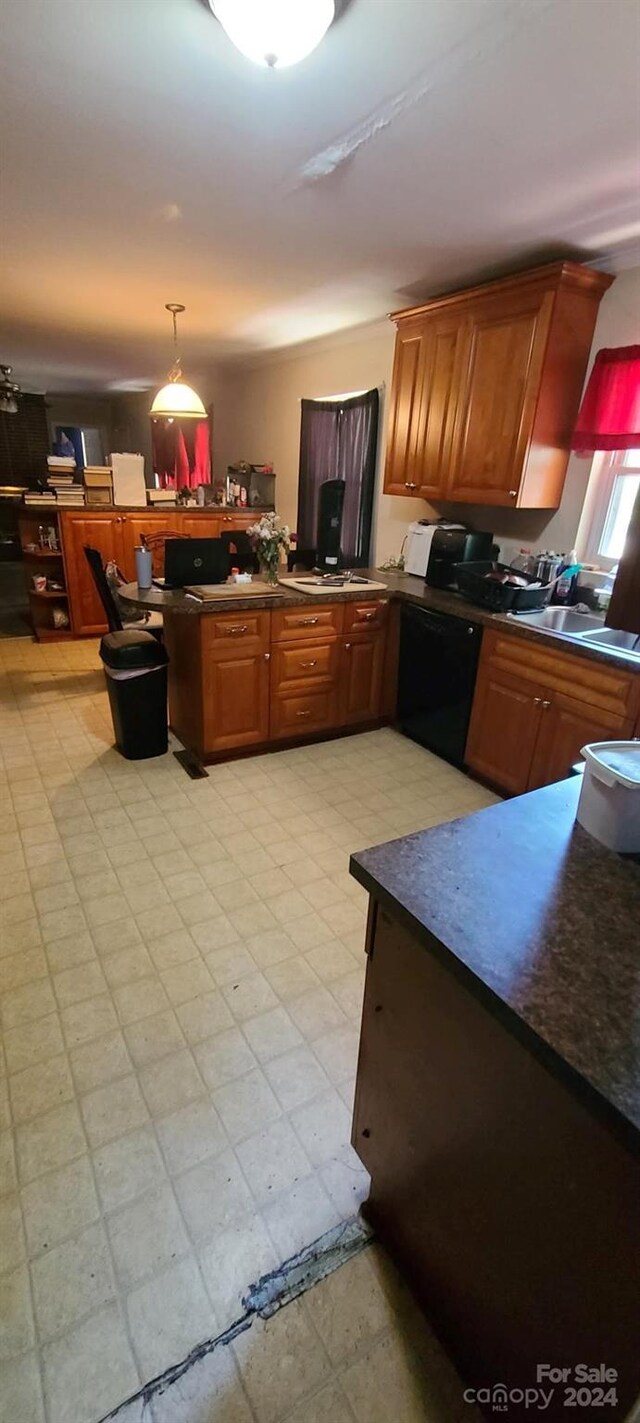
x=181, y=972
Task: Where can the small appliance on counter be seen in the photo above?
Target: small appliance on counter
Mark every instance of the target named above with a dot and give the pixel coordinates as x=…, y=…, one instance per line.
x=433, y=549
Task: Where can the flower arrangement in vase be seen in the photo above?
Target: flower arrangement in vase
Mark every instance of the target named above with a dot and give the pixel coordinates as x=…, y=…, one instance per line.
x=269, y=538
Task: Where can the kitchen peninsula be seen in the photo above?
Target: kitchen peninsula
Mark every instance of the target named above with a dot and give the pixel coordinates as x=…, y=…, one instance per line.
x=249, y=672
x=498, y=1090
x=275, y=666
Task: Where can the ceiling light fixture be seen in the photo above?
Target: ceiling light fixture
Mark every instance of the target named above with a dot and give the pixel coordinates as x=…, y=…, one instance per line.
x=275, y=33
x=177, y=400
x=8, y=392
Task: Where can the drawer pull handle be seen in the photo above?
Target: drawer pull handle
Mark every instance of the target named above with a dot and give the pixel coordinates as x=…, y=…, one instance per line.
x=309, y=664
x=237, y=632
x=537, y=701
x=303, y=713
x=409, y=485
x=545, y=706
x=306, y=622
x=366, y=617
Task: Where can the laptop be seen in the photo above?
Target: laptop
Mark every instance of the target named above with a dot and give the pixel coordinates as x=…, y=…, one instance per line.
x=194, y=561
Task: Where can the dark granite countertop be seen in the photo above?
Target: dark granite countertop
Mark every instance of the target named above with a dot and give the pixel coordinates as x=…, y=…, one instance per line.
x=540, y=922
x=404, y=587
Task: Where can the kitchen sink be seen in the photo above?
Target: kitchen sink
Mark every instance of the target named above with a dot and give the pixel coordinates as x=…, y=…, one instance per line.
x=562, y=620
x=628, y=642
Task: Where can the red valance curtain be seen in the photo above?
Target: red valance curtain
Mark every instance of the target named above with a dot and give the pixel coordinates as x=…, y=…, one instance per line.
x=609, y=417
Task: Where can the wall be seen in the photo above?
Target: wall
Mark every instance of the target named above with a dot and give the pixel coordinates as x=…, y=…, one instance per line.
x=265, y=415
x=125, y=423
x=263, y=423
x=97, y=411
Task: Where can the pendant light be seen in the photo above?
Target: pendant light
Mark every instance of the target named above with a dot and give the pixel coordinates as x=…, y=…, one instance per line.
x=8, y=392
x=275, y=33
x=177, y=400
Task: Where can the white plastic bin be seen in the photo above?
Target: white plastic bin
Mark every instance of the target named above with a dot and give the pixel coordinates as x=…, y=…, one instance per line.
x=609, y=805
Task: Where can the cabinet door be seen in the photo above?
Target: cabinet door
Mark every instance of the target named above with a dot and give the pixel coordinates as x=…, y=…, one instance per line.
x=400, y=475
x=504, y=725
x=503, y=359
x=198, y=526
x=566, y=726
x=443, y=349
x=361, y=678
x=236, y=700
x=134, y=526
x=101, y=531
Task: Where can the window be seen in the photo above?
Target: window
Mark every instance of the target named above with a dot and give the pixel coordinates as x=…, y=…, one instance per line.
x=339, y=440
x=613, y=488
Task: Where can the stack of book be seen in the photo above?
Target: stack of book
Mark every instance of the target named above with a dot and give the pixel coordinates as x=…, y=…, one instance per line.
x=61, y=477
x=40, y=499
x=161, y=496
x=98, y=483
x=70, y=497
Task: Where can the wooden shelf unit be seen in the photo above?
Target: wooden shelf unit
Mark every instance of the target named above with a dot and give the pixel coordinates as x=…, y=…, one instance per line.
x=48, y=559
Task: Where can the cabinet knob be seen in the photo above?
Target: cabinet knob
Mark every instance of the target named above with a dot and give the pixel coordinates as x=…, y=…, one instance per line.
x=545, y=706
x=366, y=1132
x=347, y=646
x=513, y=493
x=267, y=655
x=537, y=701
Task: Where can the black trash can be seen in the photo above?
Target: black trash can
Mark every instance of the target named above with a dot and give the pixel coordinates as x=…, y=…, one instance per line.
x=135, y=665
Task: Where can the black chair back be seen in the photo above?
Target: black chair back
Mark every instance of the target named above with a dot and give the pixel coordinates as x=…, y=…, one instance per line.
x=240, y=550
x=94, y=559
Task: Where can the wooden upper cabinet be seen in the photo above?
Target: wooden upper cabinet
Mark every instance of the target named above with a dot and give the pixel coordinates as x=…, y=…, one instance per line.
x=505, y=341
x=486, y=388
x=401, y=475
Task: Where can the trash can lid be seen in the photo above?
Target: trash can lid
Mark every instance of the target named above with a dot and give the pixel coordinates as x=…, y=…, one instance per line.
x=132, y=648
x=615, y=762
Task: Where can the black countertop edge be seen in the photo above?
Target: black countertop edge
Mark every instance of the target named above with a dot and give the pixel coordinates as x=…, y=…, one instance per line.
x=585, y=1091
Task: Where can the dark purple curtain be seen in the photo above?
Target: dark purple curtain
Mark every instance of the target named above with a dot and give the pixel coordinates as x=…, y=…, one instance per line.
x=338, y=440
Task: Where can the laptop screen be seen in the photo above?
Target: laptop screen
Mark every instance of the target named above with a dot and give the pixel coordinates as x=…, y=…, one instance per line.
x=195, y=561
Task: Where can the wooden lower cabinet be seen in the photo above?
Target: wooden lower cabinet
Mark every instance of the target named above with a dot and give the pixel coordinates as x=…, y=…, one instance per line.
x=236, y=693
x=503, y=730
x=116, y=536
x=362, y=666
x=534, y=709
x=100, y=531
x=565, y=727
x=246, y=679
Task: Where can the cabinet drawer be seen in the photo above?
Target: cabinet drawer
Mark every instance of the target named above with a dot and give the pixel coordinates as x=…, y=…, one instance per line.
x=299, y=713
x=302, y=624
x=370, y=614
x=223, y=634
x=314, y=662
x=610, y=688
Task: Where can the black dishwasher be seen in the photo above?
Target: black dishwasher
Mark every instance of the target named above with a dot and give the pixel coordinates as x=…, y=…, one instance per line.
x=438, y=665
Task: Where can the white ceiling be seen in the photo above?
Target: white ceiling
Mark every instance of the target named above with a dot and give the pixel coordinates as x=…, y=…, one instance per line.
x=425, y=143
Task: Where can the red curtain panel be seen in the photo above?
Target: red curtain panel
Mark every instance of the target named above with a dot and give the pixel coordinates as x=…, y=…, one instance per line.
x=181, y=453
x=609, y=417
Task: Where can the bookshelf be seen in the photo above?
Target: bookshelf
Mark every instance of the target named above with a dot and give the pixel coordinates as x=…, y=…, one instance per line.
x=41, y=560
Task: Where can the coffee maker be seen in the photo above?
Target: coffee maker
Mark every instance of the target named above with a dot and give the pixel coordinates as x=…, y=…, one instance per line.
x=432, y=549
